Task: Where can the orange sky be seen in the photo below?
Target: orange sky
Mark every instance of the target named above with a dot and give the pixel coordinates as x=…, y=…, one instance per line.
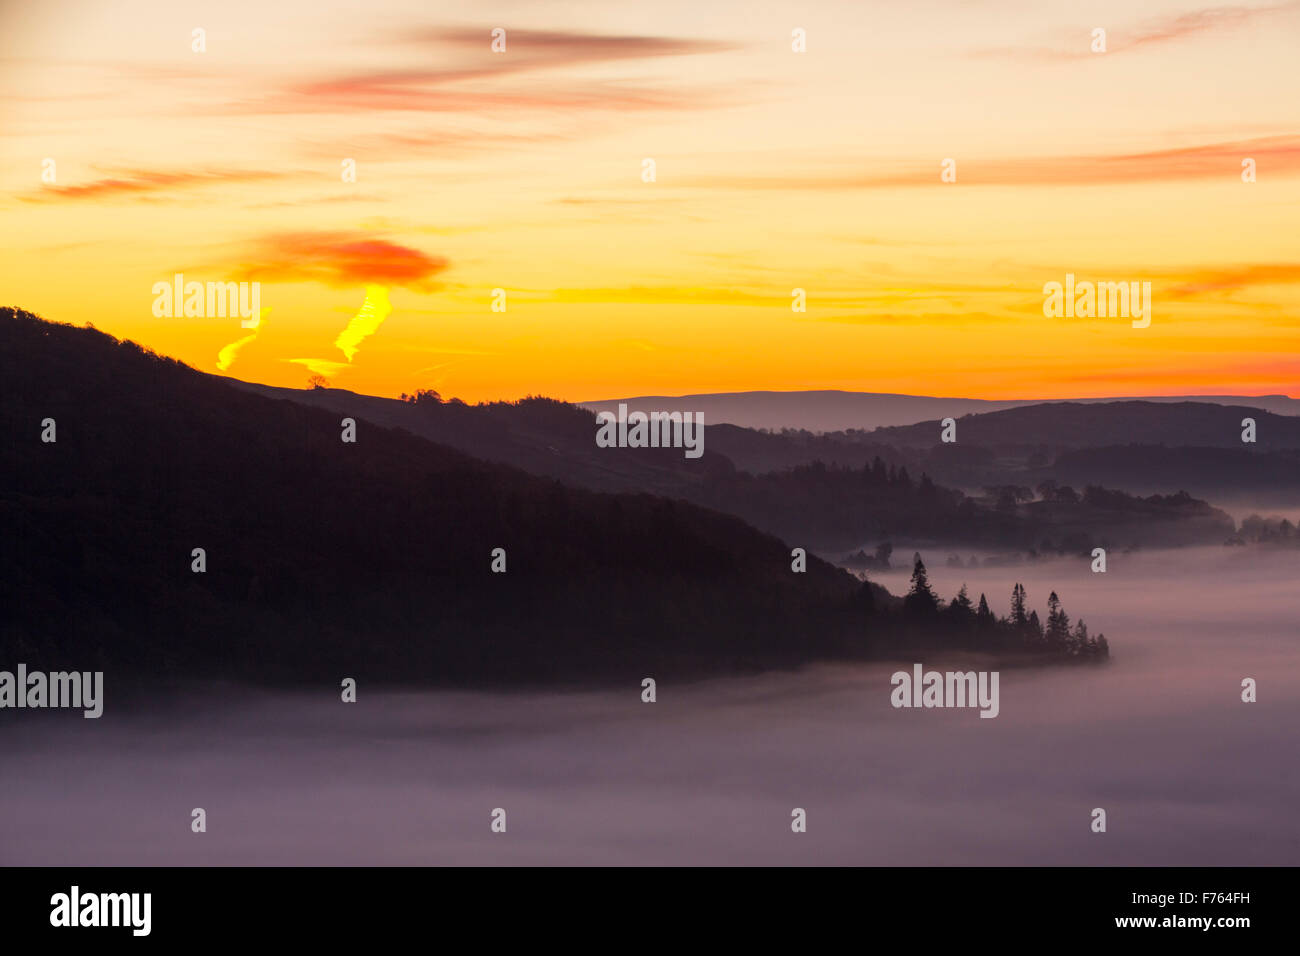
x=775, y=170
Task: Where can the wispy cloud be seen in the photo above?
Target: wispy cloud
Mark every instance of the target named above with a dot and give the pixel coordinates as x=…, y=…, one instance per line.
x=319, y=366
x=375, y=94
x=473, y=79
x=226, y=357
x=146, y=183
x=366, y=322
x=1278, y=155
x=1075, y=44
x=563, y=47
x=1233, y=278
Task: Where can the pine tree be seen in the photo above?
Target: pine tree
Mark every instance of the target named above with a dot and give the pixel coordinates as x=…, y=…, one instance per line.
x=984, y=619
x=1018, y=618
x=962, y=600
x=1034, y=629
x=921, y=599
x=1079, y=642
x=961, y=611
x=1057, y=634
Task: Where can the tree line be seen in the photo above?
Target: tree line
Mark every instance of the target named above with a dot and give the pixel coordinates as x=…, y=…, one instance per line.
x=975, y=625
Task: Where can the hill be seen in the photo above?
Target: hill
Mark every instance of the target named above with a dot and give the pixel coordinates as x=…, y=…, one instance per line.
x=370, y=559
x=1063, y=425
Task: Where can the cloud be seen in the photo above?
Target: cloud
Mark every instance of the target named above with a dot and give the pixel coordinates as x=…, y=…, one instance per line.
x=319, y=366
x=366, y=322
x=226, y=357
x=339, y=259
x=529, y=50
x=369, y=94
x=1075, y=44
x=1233, y=278
x=1278, y=155
x=1208, y=20
x=146, y=183
x=471, y=78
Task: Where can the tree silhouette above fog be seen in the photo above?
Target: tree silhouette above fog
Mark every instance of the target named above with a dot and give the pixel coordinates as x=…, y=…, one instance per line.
x=977, y=628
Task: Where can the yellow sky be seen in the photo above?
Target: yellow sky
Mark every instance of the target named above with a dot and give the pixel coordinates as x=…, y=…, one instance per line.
x=775, y=170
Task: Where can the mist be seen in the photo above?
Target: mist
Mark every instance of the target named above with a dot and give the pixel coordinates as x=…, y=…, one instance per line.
x=1188, y=774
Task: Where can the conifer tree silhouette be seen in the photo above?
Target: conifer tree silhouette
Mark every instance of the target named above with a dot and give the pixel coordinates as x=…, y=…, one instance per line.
x=1057, y=634
x=921, y=601
x=1018, y=617
x=1034, y=629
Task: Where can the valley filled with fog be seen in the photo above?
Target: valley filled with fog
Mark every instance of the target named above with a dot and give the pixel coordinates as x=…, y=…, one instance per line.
x=1159, y=737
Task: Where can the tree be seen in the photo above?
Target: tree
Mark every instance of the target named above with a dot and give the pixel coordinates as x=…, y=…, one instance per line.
x=984, y=619
x=1079, y=641
x=961, y=611
x=1034, y=629
x=921, y=599
x=1018, y=617
x=962, y=600
x=317, y=380
x=1057, y=633
x=423, y=396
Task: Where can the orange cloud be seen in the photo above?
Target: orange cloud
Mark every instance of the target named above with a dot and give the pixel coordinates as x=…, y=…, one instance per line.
x=146, y=183
x=459, y=86
x=1210, y=19
x=1278, y=155
x=370, y=94
x=339, y=259
x=1231, y=279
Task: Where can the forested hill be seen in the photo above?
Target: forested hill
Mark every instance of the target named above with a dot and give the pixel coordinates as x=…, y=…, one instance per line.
x=371, y=559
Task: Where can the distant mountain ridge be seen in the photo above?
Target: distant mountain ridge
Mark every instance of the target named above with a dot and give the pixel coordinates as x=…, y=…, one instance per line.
x=832, y=410
x=824, y=509
x=1060, y=425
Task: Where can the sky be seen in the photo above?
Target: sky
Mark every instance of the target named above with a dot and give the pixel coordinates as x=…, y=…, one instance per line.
x=128, y=156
